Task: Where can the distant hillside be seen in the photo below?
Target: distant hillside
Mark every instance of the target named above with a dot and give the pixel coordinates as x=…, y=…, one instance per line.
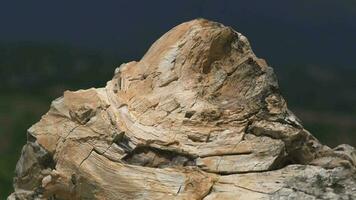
x=319, y=88
x=324, y=98
x=34, y=67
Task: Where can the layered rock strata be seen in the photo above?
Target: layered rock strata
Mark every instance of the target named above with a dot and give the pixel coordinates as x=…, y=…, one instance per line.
x=198, y=117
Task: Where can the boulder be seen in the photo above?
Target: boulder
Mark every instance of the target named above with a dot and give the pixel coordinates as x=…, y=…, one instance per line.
x=198, y=117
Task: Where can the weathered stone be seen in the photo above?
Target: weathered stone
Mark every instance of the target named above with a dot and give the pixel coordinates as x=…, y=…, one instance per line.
x=198, y=117
x=291, y=182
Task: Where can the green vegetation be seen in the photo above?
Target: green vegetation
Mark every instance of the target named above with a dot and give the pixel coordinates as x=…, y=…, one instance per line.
x=17, y=113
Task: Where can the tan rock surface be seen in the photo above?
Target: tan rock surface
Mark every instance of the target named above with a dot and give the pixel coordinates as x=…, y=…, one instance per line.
x=198, y=117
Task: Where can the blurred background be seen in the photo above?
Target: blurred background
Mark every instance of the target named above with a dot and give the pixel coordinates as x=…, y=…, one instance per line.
x=47, y=47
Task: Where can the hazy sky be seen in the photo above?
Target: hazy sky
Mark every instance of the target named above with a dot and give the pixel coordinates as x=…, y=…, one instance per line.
x=319, y=32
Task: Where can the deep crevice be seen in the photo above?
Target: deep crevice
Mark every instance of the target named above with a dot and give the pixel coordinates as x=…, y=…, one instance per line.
x=153, y=157
x=123, y=142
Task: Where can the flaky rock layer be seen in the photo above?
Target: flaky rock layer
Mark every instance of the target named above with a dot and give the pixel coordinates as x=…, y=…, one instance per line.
x=198, y=117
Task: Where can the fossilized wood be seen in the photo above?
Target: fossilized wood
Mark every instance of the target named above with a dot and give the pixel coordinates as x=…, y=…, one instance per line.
x=198, y=117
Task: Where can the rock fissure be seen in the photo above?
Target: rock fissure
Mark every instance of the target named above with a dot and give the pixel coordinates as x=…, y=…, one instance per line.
x=157, y=158
x=86, y=157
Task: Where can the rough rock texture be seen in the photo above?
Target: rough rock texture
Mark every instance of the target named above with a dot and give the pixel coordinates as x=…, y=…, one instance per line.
x=198, y=117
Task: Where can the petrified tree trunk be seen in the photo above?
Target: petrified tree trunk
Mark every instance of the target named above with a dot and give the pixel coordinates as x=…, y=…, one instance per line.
x=198, y=117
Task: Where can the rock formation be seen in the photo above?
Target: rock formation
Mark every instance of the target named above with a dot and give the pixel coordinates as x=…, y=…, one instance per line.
x=198, y=117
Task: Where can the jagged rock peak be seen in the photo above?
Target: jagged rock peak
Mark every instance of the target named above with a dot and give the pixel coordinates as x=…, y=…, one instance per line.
x=198, y=117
